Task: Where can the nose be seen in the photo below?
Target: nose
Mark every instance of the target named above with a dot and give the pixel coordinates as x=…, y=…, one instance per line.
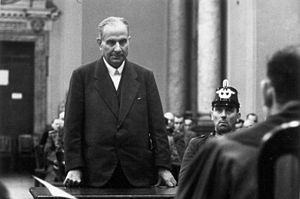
x=117, y=47
x=223, y=113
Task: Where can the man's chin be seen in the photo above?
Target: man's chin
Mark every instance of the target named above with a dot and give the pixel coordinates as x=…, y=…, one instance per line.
x=116, y=63
x=117, y=57
x=223, y=129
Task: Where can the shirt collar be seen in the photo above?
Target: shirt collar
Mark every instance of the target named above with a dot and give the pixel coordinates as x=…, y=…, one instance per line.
x=111, y=70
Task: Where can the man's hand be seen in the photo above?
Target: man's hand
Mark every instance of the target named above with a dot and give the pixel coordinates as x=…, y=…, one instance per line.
x=73, y=178
x=166, y=177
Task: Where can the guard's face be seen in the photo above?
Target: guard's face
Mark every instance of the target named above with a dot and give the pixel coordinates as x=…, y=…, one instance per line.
x=114, y=44
x=224, y=118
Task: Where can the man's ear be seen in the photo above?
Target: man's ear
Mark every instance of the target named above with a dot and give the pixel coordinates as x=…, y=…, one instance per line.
x=99, y=41
x=268, y=93
x=238, y=116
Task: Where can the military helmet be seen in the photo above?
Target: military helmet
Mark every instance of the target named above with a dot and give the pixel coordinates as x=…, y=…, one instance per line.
x=226, y=96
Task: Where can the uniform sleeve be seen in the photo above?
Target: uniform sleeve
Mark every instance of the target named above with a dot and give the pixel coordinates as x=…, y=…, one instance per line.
x=199, y=179
x=221, y=169
x=73, y=125
x=188, y=156
x=157, y=127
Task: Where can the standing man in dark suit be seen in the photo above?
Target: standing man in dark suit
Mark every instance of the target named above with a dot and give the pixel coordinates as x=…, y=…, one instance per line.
x=226, y=167
x=115, y=134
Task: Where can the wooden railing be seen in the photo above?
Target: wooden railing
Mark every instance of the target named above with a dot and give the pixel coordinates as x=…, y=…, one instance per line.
x=94, y=193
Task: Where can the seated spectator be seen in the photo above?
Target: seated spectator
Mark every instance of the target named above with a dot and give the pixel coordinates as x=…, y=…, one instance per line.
x=39, y=150
x=226, y=167
x=251, y=119
x=169, y=121
x=188, y=133
x=54, y=151
x=239, y=124
x=178, y=135
x=177, y=145
x=188, y=123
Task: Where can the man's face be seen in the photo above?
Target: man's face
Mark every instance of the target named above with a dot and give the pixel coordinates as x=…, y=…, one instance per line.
x=252, y=118
x=178, y=123
x=187, y=124
x=250, y=121
x=238, y=125
x=114, y=43
x=170, y=123
x=224, y=118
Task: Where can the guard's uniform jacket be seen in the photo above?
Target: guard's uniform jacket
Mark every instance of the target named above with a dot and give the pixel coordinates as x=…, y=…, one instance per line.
x=226, y=96
x=192, y=149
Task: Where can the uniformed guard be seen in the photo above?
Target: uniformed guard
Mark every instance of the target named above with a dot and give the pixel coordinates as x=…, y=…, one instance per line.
x=225, y=109
x=224, y=114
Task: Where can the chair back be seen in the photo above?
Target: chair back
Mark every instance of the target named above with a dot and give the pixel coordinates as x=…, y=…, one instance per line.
x=25, y=143
x=283, y=140
x=7, y=152
x=5, y=144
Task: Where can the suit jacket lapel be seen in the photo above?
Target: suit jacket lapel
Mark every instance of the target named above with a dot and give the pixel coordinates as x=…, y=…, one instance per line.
x=129, y=90
x=105, y=88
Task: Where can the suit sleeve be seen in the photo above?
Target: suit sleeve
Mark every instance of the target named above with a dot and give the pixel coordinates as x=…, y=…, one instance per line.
x=157, y=127
x=73, y=126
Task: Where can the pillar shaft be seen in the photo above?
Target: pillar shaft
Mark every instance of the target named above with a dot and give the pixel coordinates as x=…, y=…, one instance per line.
x=176, y=73
x=209, y=52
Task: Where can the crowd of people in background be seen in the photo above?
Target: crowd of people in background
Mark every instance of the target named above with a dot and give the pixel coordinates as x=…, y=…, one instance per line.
x=181, y=128
x=179, y=135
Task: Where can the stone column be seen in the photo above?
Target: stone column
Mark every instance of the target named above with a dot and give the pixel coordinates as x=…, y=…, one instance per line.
x=176, y=73
x=209, y=52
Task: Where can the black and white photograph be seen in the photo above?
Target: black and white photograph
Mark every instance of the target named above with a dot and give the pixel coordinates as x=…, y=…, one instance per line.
x=170, y=99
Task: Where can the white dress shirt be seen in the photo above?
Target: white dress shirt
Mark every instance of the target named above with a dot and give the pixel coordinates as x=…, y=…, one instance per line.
x=115, y=74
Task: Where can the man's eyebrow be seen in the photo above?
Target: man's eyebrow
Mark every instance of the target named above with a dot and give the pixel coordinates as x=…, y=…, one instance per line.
x=125, y=38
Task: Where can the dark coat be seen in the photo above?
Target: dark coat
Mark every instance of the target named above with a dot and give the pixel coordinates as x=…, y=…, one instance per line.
x=225, y=167
x=100, y=131
x=191, y=151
